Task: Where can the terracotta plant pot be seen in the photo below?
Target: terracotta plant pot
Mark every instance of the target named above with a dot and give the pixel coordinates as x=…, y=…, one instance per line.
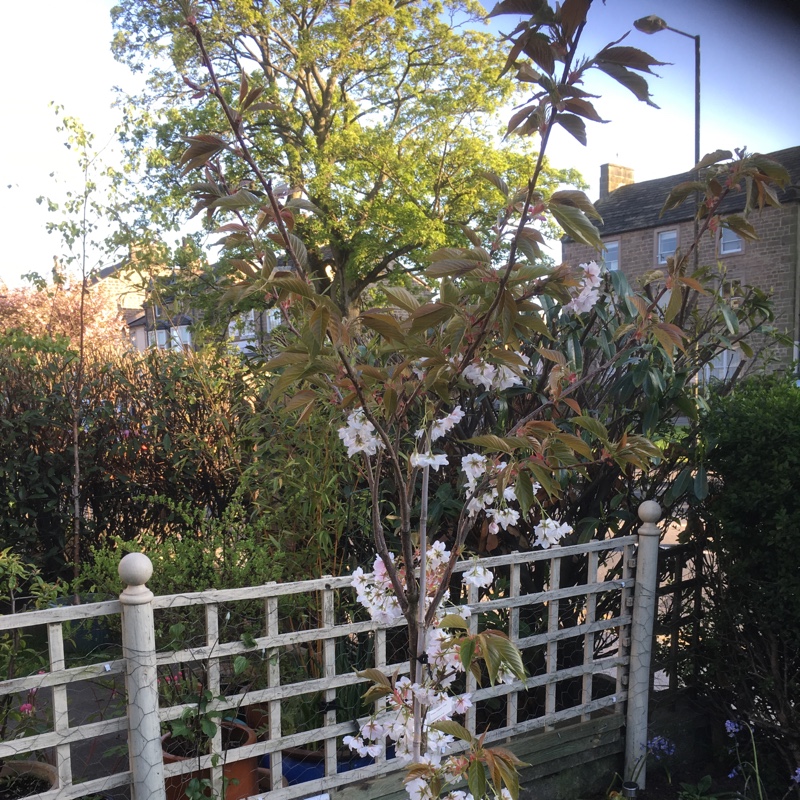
x=37, y=770
x=241, y=776
x=257, y=717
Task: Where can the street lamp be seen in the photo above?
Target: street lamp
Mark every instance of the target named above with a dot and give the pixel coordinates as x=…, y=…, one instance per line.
x=654, y=24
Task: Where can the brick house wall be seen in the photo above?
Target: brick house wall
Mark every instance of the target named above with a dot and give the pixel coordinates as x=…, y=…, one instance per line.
x=772, y=262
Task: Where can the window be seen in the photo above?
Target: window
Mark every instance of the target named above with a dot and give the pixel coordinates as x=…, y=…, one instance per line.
x=729, y=242
x=272, y=318
x=667, y=245
x=611, y=257
x=180, y=338
x=721, y=368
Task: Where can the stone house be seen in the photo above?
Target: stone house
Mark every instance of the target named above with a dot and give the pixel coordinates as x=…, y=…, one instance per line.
x=638, y=239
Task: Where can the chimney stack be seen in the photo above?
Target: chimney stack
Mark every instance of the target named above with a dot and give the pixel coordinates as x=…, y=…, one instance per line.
x=612, y=176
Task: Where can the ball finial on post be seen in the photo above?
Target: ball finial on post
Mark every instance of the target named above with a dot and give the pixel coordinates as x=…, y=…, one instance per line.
x=135, y=569
x=650, y=511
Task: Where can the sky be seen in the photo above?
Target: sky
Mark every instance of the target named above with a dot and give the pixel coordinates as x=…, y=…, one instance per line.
x=750, y=95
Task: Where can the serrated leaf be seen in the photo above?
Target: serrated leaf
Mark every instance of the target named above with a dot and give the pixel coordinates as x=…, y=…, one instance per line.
x=242, y=199
x=495, y=180
x=493, y=443
x=577, y=225
x=576, y=199
x=701, y=483
x=526, y=8
x=453, y=621
x=452, y=267
x=384, y=324
x=731, y=321
x=375, y=693
x=284, y=359
x=299, y=249
x=430, y=315
x=318, y=323
x=675, y=302
x=300, y=400
x=630, y=80
x=538, y=48
x=376, y=676
x=523, y=489
x=470, y=234
x=680, y=193
x=202, y=145
x=583, y=108
x=576, y=443
x=402, y=298
x=770, y=168
x=239, y=664
x=713, y=158
x=664, y=340
x=292, y=284
x=243, y=266
x=740, y=226
x=692, y=284
x=453, y=728
x=303, y=204
x=252, y=96
x=574, y=125
x=573, y=13
x=592, y=425
x=476, y=779
x=631, y=57
x=518, y=117
x=467, y=652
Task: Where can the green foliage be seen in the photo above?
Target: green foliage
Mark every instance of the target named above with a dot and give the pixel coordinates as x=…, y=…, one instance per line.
x=21, y=584
x=376, y=118
x=196, y=552
x=752, y=638
x=701, y=791
x=167, y=440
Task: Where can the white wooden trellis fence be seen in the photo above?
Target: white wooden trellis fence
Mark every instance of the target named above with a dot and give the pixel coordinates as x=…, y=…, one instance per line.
x=612, y=632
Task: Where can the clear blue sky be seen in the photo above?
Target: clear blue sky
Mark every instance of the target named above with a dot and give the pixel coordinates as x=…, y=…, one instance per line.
x=58, y=50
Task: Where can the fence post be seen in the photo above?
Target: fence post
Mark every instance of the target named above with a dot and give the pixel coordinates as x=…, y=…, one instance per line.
x=644, y=607
x=139, y=652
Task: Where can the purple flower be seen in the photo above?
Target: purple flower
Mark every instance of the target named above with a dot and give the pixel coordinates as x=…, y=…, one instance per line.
x=731, y=727
x=734, y=772
x=796, y=775
x=660, y=747
x=26, y=708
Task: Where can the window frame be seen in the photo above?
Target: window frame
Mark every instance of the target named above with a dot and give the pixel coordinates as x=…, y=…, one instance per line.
x=737, y=240
x=606, y=262
x=666, y=256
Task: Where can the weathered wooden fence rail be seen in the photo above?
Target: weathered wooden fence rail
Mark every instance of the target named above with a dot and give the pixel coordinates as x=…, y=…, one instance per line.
x=581, y=615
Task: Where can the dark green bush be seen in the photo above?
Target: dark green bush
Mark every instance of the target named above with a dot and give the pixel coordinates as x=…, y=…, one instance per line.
x=165, y=436
x=752, y=638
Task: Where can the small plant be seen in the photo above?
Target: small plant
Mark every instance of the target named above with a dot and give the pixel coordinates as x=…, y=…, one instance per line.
x=20, y=714
x=662, y=750
x=701, y=791
x=748, y=767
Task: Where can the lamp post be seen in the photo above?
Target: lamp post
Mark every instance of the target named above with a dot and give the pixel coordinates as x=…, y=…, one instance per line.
x=654, y=24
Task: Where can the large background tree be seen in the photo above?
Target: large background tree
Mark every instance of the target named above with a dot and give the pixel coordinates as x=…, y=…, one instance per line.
x=382, y=115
